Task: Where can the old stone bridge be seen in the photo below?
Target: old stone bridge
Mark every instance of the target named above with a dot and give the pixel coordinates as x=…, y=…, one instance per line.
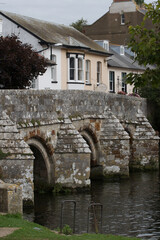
x=49, y=137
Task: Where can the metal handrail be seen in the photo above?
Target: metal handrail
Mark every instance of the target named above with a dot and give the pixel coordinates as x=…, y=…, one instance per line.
x=93, y=205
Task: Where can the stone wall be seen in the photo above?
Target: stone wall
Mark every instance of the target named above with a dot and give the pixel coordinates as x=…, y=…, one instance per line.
x=16, y=158
x=44, y=105
x=10, y=198
x=74, y=131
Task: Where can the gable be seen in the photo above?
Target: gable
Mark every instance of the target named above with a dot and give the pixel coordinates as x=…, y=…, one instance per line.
x=52, y=33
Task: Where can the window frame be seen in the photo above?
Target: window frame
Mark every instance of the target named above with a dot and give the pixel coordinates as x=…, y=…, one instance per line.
x=54, y=69
x=77, y=70
x=99, y=72
x=88, y=71
x=124, y=85
x=122, y=18
x=112, y=81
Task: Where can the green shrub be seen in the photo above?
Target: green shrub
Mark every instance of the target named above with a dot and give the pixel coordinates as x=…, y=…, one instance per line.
x=67, y=230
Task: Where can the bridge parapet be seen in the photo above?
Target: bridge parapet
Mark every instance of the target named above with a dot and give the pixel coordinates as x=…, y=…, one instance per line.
x=72, y=132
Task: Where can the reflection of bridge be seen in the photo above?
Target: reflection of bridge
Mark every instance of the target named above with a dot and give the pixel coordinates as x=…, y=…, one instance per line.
x=69, y=132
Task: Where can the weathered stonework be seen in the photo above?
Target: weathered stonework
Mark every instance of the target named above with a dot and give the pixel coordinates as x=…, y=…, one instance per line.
x=72, y=132
x=10, y=198
x=17, y=162
x=114, y=141
x=145, y=155
x=72, y=157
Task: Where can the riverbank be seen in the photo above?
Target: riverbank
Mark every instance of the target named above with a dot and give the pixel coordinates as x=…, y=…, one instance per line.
x=25, y=230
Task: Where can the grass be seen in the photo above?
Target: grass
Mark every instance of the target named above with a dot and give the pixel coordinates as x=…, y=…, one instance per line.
x=29, y=231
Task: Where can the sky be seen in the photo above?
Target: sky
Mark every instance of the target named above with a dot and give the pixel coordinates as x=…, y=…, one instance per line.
x=59, y=11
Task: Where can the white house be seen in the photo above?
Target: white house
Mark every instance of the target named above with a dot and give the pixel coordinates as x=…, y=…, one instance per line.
x=80, y=62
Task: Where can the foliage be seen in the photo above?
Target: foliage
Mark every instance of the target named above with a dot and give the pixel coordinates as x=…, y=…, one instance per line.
x=153, y=96
x=79, y=24
x=19, y=63
x=30, y=231
x=67, y=230
x=139, y=2
x=145, y=43
x=58, y=188
x=16, y=215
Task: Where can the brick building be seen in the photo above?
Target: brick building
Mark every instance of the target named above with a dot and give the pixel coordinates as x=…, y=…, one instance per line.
x=113, y=25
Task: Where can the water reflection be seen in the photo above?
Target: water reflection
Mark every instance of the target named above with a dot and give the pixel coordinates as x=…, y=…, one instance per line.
x=130, y=207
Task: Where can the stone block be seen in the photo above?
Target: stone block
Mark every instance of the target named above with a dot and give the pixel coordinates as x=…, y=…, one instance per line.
x=10, y=198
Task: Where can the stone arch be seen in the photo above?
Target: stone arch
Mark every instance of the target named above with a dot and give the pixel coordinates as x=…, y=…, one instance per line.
x=43, y=163
x=90, y=137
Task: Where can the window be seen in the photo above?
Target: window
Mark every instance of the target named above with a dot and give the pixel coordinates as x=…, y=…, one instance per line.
x=34, y=83
x=99, y=72
x=53, y=69
x=121, y=50
x=106, y=45
x=80, y=69
x=88, y=71
x=124, y=85
x=111, y=81
x=75, y=67
x=122, y=19
x=72, y=68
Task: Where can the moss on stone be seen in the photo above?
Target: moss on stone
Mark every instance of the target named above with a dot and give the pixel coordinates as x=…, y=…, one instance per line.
x=3, y=155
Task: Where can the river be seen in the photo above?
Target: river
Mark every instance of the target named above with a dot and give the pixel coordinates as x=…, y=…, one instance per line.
x=130, y=207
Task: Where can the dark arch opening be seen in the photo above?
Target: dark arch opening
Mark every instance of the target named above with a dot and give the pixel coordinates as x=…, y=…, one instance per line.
x=40, y=175
x=91, y=140
x=43, y=170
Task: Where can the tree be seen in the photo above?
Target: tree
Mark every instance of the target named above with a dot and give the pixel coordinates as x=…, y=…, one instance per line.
x=139, y=2
x=79, y=24
x=145, y=43
x=19, y=63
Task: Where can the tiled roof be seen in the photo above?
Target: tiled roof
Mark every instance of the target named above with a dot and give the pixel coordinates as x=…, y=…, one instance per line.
x=52, y=33
x=123, y=61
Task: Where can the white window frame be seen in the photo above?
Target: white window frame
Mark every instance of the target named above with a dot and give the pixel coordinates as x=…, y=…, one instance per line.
x=80, y=68
x=54, y=69
x=106, y=45
x=124, y=85
x=34, y=83
x=112, y=81
x=99, y=72
x=122, y=18
x=122, y=50
x=88, y=71
x=76, y=68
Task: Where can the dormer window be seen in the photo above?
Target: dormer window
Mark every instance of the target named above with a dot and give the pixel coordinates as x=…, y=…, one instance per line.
x=106, y=45
x=122, y=19
x=121, y=50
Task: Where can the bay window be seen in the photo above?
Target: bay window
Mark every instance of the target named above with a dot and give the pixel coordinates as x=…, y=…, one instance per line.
x=75, y=67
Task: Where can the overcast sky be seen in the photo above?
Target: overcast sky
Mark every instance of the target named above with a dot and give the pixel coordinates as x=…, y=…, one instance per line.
x=59, y=11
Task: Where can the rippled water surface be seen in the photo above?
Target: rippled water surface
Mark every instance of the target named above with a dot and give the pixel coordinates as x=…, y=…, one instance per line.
x=130, y=207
